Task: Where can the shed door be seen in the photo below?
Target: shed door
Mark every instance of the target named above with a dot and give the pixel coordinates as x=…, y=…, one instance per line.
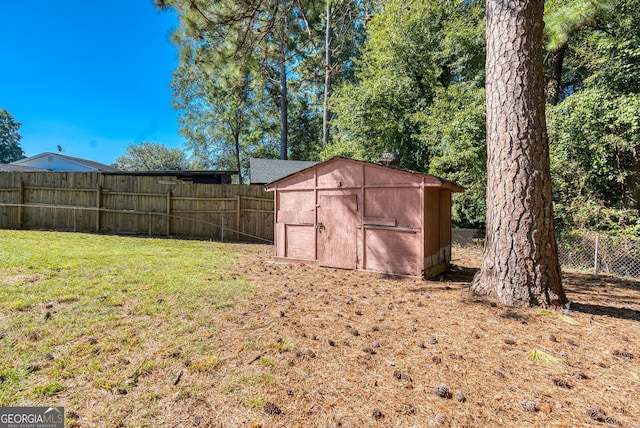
x=337, y=231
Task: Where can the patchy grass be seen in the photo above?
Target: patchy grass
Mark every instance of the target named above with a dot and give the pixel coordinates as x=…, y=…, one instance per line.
x=104, y=312
x=182, y=333
x=207, y=363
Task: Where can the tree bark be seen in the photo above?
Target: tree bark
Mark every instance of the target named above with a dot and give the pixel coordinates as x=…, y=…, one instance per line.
x=520, y=260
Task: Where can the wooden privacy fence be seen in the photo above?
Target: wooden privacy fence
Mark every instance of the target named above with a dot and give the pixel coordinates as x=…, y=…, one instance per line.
x=131, y=204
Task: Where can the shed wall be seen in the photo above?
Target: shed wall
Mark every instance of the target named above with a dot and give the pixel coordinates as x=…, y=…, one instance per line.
x=397, y=218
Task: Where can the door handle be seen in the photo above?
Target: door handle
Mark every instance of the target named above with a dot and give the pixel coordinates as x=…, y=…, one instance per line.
x=319, y=226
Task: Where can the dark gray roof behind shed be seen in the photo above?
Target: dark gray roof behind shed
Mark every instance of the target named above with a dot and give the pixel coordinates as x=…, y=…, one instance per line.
x=264, y=171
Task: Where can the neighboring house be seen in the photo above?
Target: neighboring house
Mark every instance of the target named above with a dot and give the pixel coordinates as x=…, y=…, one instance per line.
x=63, y=163
x=55, y=162
x=264, y=171
x=8, y=167
x=350, y=214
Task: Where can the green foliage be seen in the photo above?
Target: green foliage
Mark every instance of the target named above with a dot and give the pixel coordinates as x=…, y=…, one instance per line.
x=10, y=149
x=229, y=84
x=147, y=156
x=563, y=19
x=585, y=214
x=595, y=141
x=541, y=357
x=594, y=130
x=224, y=120
x=454, y=130
x=408, y=77
x=609, y=57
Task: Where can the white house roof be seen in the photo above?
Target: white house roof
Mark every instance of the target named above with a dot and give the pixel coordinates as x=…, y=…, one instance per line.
x=8, y=167
x=58, y=162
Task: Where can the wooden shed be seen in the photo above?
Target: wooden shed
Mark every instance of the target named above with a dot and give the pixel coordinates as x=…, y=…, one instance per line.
x=350, y=214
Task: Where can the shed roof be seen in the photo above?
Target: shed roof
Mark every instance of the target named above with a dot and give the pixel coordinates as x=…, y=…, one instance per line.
x=441, y=182
x=265, y=171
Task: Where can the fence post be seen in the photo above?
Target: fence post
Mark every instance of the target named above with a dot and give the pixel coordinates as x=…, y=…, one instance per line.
x=222, y=230
x=168, y=213
x=98, y=197
x=238, y=218
x=20, y=203
x=595, y=257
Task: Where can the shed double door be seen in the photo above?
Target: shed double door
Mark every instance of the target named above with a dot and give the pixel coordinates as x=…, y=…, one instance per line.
x=336, y=231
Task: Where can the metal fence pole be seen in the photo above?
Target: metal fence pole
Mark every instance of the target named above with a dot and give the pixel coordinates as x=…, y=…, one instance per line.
x=595, y=256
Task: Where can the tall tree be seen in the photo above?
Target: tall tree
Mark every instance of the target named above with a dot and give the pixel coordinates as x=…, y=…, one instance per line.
x=147, y=156
x=10, y=137
x=520, y=260
x=410, y=52
x=328, y=35
x=269, y=37
x=219, y=115
x=344, y=30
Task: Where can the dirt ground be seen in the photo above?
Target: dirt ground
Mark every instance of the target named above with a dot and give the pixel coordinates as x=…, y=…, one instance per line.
x=333, y=348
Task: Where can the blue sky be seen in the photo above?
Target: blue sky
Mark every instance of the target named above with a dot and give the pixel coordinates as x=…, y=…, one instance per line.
x=91, y=76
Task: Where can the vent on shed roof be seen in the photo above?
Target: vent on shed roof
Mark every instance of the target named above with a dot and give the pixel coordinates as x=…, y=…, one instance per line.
x=388, y=159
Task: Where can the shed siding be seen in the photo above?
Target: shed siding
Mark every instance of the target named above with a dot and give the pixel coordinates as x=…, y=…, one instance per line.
x=339, y=175
x=296, y=207
x=300, y=242
x=392, y=251
x=394, y=203
x=301, y=180
x=431, y=222
x=379, y=176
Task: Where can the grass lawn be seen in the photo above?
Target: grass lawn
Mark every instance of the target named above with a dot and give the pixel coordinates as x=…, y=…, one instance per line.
x=78, y=309
x=136, y=332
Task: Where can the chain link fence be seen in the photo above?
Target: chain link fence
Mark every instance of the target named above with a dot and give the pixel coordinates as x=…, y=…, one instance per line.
x=587, y=251
x=467, y=237
x=615, y=255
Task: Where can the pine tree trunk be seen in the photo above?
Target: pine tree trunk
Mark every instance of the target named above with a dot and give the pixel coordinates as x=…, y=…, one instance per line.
x=283, y=104
x=554, y=78
x=327, y=78
x=236, y=143
x=520, y=260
